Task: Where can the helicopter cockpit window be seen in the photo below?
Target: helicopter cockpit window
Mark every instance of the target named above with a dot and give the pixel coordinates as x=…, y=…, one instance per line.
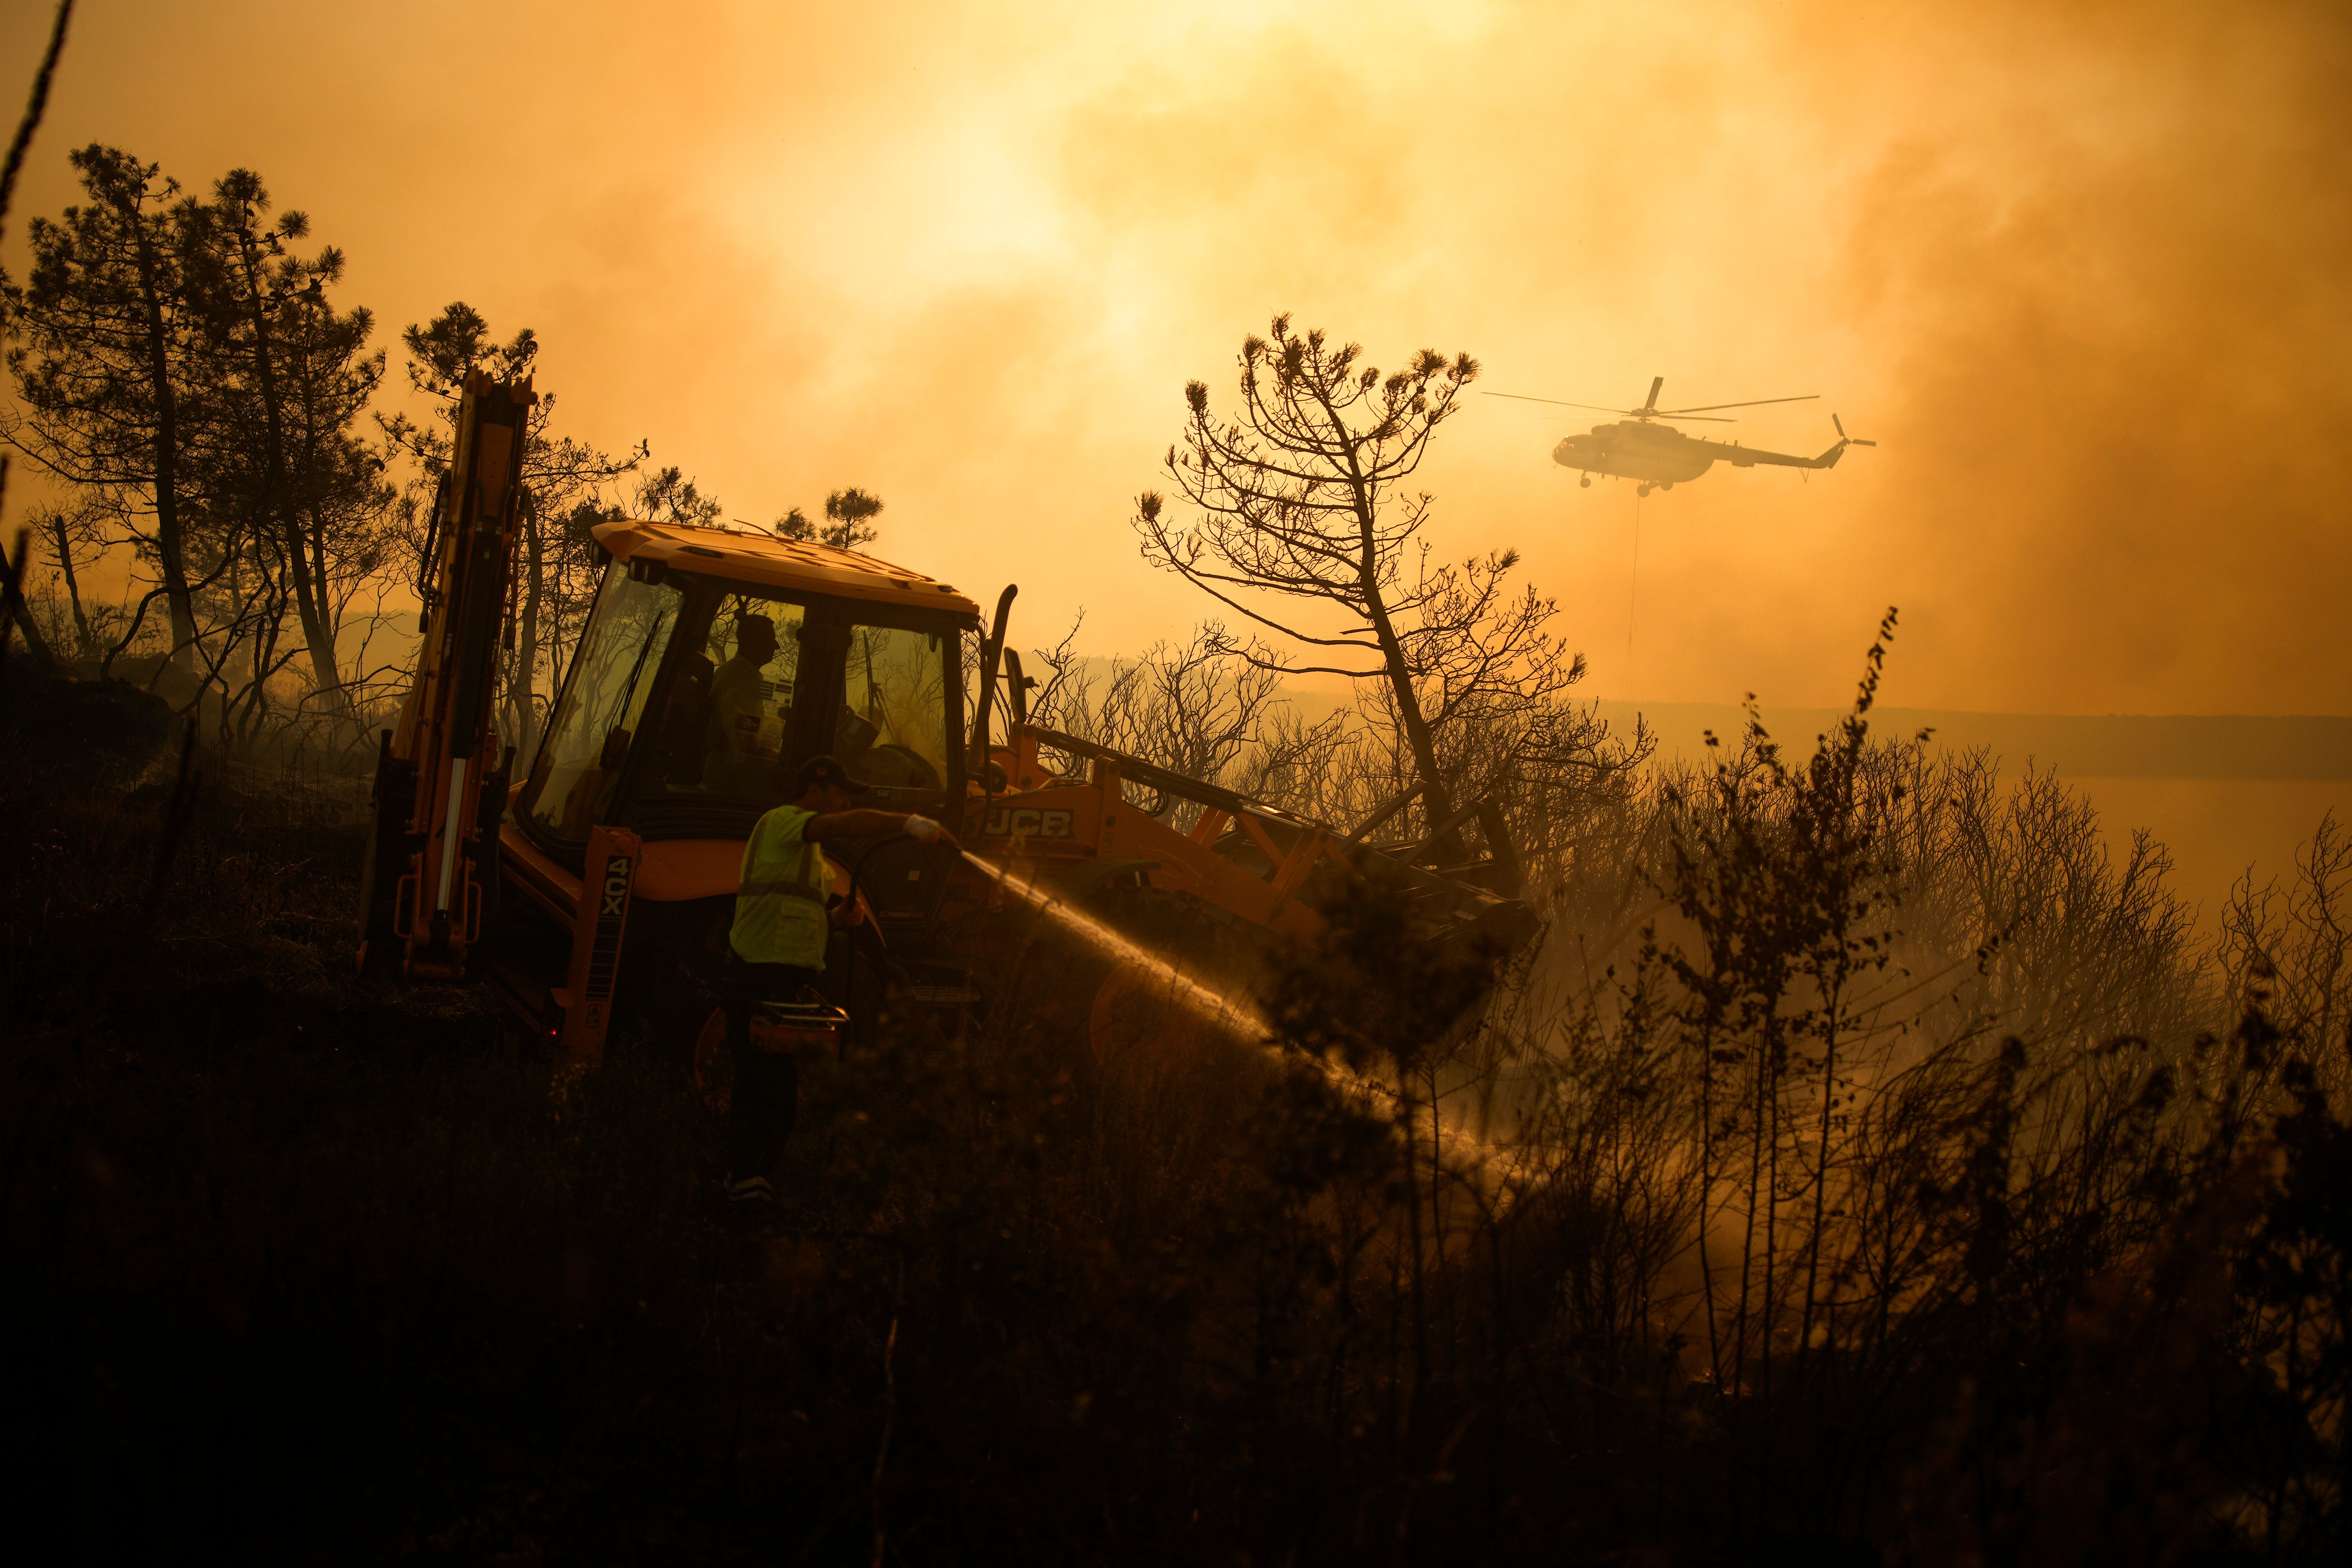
x=892, y=730
x=579, y=762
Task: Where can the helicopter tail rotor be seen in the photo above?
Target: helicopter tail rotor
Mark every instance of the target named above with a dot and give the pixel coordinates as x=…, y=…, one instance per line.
x=1845, y=439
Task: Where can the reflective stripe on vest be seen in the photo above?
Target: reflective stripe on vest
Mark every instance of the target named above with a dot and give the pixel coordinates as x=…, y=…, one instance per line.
x=780, y=897
x=795, y=888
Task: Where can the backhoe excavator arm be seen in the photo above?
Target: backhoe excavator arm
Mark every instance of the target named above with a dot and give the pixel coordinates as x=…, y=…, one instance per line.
x=440, y=787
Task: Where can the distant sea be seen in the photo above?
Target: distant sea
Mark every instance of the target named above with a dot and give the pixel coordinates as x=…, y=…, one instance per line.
x=2227, y=795
x=2105, y=745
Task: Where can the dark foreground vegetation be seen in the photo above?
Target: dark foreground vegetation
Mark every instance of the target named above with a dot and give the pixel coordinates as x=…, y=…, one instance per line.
x=1864, y=1168
x=1863, y=1171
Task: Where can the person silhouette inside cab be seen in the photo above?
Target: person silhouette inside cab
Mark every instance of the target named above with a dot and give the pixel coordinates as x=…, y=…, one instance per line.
x=744, y=736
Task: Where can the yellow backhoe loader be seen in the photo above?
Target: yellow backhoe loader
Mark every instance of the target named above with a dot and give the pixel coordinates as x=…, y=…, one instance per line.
x=715, y=662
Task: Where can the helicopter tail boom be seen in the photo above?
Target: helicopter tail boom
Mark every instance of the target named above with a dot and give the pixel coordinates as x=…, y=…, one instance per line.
x=1751, y=457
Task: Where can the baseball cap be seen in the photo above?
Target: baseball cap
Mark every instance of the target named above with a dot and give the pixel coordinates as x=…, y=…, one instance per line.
x=824, y=770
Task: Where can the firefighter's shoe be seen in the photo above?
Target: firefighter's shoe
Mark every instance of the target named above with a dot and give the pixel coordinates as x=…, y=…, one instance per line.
x=750, y=1196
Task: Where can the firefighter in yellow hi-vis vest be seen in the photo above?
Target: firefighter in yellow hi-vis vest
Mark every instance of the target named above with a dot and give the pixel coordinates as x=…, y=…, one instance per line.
x=777, y=946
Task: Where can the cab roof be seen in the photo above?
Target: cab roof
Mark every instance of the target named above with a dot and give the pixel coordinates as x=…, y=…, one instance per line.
x=774, y=562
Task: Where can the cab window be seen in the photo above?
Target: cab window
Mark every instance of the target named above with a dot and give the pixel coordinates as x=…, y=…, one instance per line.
x=731, y=701
x=578, y=764
x=760, y=684
x=892, y=729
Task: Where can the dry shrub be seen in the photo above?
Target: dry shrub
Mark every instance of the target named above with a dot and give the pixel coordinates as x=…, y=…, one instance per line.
x=1910, y=1186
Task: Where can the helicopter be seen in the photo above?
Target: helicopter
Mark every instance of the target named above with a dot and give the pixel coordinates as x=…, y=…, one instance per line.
x=1659, y=455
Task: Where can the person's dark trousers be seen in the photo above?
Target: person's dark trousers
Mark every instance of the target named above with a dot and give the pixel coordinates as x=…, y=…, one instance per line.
x=767, y=1085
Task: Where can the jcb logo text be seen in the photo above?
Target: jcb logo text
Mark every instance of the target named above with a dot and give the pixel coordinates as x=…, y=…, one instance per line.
x=1028, y=823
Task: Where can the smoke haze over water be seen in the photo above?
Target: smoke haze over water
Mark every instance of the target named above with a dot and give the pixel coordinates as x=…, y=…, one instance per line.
x=2083, y=270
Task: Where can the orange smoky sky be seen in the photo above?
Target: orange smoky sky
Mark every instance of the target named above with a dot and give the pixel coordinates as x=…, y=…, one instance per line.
x=2082, y=269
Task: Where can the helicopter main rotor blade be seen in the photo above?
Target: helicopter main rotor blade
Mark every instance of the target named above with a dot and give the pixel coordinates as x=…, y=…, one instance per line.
x=1651, y=406
x=1752, y=403
x=1644, y=413
x=1523, y=398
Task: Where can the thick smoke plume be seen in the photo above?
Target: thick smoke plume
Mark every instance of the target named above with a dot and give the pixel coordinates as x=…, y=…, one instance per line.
x=2083, y=270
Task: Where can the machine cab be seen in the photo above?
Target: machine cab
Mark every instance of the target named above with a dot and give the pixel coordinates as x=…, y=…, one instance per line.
x=714, y=663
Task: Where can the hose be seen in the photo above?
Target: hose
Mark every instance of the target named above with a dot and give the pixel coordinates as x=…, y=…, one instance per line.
x=857, y=872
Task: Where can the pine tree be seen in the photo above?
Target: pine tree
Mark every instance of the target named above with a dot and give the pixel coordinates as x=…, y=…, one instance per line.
x=296, y=376
x=848, y=525
x=112, y=342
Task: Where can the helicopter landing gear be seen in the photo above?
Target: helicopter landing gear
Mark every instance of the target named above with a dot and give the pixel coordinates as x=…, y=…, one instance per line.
x=1642, y=489
x=1584, y=480
x=1666, y=484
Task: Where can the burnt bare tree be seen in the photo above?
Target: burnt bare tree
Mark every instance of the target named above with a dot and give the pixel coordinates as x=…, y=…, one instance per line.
x=2289, y=948
x=1187, y=708
x=72, y=535
x=1303, y=498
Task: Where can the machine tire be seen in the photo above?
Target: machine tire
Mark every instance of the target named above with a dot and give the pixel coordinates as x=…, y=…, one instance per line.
x=669, y=972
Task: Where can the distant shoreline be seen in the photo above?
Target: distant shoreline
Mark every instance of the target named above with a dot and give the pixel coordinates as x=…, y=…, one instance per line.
x=2115, y=745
